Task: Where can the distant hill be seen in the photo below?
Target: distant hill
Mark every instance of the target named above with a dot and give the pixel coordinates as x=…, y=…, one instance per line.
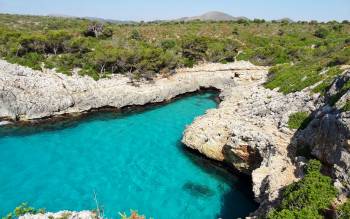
x=286, y=19
x=213, y=16
x=93, y=19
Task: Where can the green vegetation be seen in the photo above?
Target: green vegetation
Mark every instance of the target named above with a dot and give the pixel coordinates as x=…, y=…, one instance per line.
x=343, y=211
x=23, y=209
x=133, y=215
x=299, y=120
x=343, y=88
x=346, y=107
x=307, y=198
x=299, y=52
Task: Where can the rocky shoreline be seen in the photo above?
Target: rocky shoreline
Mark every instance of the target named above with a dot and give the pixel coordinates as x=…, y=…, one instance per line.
x=29, y=95
x=249, y=130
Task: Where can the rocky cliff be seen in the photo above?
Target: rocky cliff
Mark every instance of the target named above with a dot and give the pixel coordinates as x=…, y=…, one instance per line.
x=328, y=134
x=26, y=94
x=249, y=131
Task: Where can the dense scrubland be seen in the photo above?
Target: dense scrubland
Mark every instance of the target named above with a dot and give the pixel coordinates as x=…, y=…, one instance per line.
x=300, y=53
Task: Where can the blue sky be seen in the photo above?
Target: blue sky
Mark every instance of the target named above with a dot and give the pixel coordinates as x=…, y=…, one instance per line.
x=322, y=10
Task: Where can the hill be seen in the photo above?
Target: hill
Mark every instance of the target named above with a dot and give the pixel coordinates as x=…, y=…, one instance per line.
x=213, y=16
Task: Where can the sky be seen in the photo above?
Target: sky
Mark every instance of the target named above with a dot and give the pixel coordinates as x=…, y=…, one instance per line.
x=322, y=10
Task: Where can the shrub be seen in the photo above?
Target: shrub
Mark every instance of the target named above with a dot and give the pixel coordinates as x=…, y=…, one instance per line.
x=135, y=35
x=134, y=215
x=298, y=120
x=307, y=198
x=168, y=44
x=98, y=30
x=56, y=41
x=23, y=209
x=346, y=107
x=32, y=60
x=194, y=48
x=221, y=51
x=321, y=32
x=343, y=212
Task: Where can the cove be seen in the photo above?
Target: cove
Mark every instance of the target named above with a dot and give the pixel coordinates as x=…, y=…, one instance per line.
x=130, y=161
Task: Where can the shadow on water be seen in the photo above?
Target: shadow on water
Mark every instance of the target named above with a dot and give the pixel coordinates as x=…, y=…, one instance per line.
x=231, y=205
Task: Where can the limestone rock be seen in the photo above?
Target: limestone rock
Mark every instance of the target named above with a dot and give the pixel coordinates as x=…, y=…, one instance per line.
x=26, y=94
x=328, y=135
x=62, y=214
x=249, y=130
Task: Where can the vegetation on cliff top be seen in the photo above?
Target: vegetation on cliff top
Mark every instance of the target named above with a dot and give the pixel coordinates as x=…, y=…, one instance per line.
x=23, y=209
x=307, y=198
x=299, y=51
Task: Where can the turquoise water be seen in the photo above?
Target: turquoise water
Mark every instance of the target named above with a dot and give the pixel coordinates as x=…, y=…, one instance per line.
x=133, y=161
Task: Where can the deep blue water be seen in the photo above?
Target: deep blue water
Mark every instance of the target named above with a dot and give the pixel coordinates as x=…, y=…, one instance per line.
x=131, y=161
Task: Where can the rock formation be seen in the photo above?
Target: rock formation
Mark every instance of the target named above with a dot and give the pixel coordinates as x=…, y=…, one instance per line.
x=249, y=131
x=328, y=134
x=26, y=94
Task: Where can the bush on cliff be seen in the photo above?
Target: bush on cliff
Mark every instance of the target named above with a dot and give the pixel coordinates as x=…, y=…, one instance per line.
x=307, y=198
x=133, y=215
x=298, y=120
x=23, y=209
x=343, y=212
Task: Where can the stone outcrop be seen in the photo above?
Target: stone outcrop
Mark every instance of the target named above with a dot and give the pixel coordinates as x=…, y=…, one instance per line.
x=249, y=131
x=62, y=215
x=26, y=94
x=328, y=134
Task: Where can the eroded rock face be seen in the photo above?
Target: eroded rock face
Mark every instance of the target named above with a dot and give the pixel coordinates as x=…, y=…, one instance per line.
x=249, y=130
x=328, y=135
x=26, y=94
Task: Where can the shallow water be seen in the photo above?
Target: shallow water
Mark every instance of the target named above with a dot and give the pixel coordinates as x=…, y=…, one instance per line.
x=133, y=161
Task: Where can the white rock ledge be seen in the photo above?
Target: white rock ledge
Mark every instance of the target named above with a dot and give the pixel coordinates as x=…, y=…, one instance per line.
x=26, y=94
x=62, y=215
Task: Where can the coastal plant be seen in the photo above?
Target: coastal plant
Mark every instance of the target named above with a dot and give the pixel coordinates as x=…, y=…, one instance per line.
x=346, y=106
x=299, y=120
x=133, y=215
x=23, y=209
x=343, y=211
x=308, y=198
